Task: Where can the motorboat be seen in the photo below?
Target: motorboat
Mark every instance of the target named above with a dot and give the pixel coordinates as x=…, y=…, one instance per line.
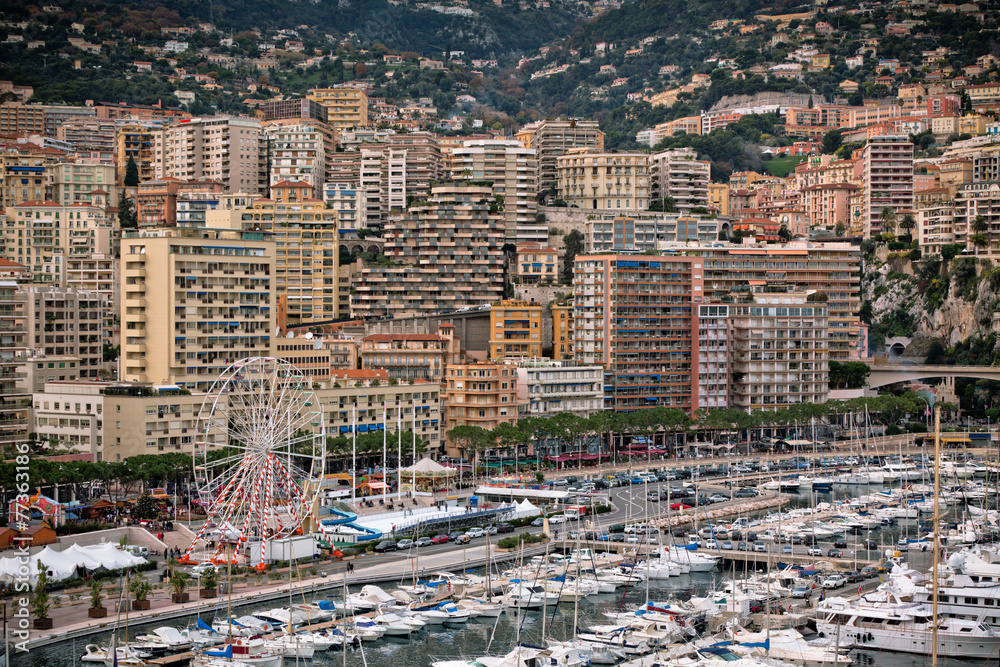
x=891, y=624
x=481, y=607
x=525, y=595
x=99, y=654
x=240, y=651
x=171, y=637
x=293, y=646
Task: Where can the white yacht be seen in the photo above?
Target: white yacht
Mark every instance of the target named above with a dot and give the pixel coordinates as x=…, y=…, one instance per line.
x=894, y=625
x=786, y=645
x=525, y=595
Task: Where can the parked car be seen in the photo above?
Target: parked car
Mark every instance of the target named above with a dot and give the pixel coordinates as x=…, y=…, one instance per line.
x=742, y=546
x=491, y=530
x=453, y=535
x=840, y=544
x=835, y=553
x=385, y=545
x=440, y=539
x=201, y=568
x=815, y=551
x=787, y=551
x=558, y=518
x=505, y=527
x=604, y=537
x=747, y=493
x=463, y=539
x=802, y=591
x=654, y=496
x=853, y=577
x=727, y=546
x=475, y=532
x=834, y=581
x=869, y=571
x=680, y=506
x=711, y=544
x=424, y=542
x=404, y=544
x=718, y=498
x=538, y=522
x=759, y=546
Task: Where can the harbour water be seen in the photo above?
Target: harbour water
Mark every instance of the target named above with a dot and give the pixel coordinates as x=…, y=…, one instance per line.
x=482, y=636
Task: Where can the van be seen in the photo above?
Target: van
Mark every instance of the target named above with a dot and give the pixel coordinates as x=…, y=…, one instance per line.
x=136, y=550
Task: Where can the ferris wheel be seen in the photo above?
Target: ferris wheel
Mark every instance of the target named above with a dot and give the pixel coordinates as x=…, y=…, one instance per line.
x=259, y=448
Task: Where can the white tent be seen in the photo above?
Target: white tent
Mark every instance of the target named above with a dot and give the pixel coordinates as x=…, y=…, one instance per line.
x=83, y=557
x=60, y=565
x=111, y=557
x=427, y=467
x=525, y=508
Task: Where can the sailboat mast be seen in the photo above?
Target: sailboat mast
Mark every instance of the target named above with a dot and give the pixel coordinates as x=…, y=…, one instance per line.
x=937, y=539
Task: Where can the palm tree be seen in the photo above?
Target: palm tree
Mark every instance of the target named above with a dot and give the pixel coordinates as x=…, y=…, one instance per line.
x=908, y=223
x=888, y=218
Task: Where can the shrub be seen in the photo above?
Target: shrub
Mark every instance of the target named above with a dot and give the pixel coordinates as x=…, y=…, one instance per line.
x=514, y=541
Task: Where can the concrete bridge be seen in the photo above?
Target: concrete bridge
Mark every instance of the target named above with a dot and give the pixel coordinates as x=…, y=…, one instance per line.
x=883, y=374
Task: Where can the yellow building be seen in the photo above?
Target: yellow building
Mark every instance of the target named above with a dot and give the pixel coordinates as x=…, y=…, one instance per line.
x=193, y=301
x=718, y=197
x=592, y=179
x=974, y=125
x=552, y=138
x=482, y=394
x=536, y=264
x=44, y=235
x=346, y=107
x=306, y=250
x=135, y=140
x=562, y=330
x=515, y=330
x=821, y=60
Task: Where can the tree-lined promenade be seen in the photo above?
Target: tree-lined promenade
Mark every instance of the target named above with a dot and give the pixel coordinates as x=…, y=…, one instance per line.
x=530, y=441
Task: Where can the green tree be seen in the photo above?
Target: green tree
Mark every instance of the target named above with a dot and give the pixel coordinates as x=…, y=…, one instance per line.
x=131, y=173
x=145, y=507
x=832, y=140
x=784, y=234
x=574, y=246
x=127, y=216
x=40, y=601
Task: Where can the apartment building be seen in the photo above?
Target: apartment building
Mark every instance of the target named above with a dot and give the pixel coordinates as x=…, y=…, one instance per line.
x=351, y=206
x=633, y=315
x=345, y=107
x=641, y=232
x=887, y=180
x=562, y=330
x=591, y=179
x=368, y=400
x=832, y=268
x=515, y=330
x=112, y=422
x=24, y=174
x=713, y=379
x=21, y=119
x=546, y=388
x=221, y=148
x=444, y=254
x=99, y=274
x=193, y=301
x=536, y=264
x=681, y=176
x=194, y=201
x=135, y=140
x=935, y=227
x=57, y=115
x=297, y=150
x=973, y=200
x=148, y=419
x=395, y=173
x=36, y=370
x=306, y=250
x=16, y=397
x=89, y=134
x=718, y=197
x=480, y=394
x=411, y=356
x=512, y=169
x=293, y=109
x=62, y=321
x=780, y=354
x=45, y=235
x=826, y=205
x=78, y=182
x=552, y=138
x=308, y=354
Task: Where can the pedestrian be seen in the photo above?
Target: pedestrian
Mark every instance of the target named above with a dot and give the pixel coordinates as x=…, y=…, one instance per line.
x=350, y=567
